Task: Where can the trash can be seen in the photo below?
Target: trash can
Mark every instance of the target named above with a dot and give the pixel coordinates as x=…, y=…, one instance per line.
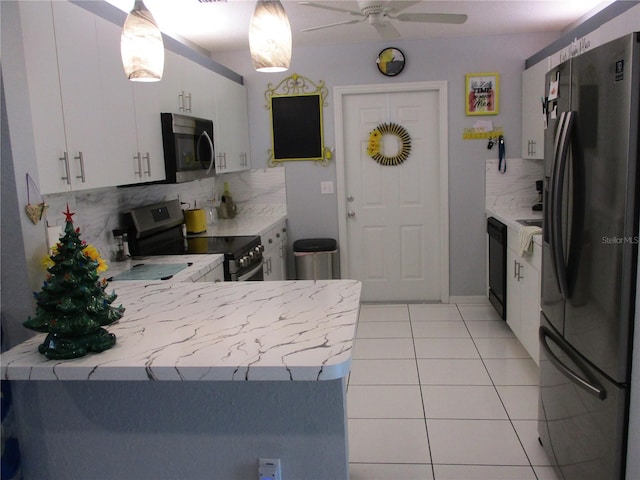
x=314, y=258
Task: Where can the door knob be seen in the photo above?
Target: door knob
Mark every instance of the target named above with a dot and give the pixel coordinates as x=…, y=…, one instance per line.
x=350, y=198
x=351, y=214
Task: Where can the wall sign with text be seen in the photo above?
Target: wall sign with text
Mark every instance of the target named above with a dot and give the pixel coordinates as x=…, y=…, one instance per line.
x=481, y=93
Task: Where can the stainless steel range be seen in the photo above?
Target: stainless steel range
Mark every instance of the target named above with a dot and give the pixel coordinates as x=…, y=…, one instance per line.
x=157, y=229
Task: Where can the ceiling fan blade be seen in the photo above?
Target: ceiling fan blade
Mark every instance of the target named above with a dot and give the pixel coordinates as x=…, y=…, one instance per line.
x=347, y=22
x=386, y=30
x=396, y=6
x=328, y=7
x=451, y=18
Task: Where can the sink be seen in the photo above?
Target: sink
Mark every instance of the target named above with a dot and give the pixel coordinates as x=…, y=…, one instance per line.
x=534, y=222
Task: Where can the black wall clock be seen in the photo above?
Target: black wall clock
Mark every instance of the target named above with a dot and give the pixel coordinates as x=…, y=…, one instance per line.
x=390, y=61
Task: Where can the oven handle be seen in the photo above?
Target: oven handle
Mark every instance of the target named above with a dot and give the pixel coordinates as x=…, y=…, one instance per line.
x=250, y=274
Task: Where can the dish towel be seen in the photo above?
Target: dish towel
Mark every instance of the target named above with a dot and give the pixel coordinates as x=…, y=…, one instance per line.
x=526, y=239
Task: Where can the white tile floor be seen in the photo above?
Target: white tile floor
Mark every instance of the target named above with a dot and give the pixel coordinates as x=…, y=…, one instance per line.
x=442, y=392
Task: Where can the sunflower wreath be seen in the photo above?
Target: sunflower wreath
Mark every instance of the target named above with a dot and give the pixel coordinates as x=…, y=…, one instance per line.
x=375, y=138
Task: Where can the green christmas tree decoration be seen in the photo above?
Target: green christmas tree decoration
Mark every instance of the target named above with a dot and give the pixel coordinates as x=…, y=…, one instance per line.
x=72, y=306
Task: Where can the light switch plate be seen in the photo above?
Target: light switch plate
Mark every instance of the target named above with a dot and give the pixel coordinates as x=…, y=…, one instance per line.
x=326, y=187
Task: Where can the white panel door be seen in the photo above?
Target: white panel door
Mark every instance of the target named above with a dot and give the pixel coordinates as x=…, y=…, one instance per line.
x=394, y=230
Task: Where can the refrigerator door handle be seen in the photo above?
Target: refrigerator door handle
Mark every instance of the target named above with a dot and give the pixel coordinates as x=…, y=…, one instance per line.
x=563, y=143
x=587, y=381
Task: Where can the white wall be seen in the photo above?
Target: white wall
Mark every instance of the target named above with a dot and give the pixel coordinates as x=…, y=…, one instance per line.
x=312, y=214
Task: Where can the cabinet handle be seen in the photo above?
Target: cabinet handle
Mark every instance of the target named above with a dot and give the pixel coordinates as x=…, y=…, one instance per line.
x=515, y=269
x=181, y=101
x=188, y=96
x=80, y=159
x=518, y=270
x=139, y=171
x=222, y=160
x=65, y=158
x=148, y=170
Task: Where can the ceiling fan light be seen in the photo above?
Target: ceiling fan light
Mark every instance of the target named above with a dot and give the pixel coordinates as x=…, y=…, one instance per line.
x=270, y=37
x=141, y=46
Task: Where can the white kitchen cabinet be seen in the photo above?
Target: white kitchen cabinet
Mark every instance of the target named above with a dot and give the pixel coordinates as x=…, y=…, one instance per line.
x=200, y=85
x=63, y=78
x=187, y=87
x=149, y=154
x=523, y=294
x=43, y=83
x=533, y=90
x=274, y=259
x=119, y=115
x=91, y=126
x=231, y=128
x=82, y=99
x=81, y=104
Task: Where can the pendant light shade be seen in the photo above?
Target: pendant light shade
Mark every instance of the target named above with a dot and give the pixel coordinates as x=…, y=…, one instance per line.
x=270, y=37
x=141, y=46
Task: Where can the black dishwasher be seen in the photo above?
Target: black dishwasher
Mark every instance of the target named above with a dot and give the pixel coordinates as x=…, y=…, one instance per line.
x=497, y=265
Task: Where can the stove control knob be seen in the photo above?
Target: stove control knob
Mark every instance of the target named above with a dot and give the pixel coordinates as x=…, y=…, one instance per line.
x=259, y=249
x=251, y=255
x=244, y=261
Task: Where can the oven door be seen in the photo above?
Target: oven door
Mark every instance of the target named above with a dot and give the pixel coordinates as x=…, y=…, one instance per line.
x=251, y=273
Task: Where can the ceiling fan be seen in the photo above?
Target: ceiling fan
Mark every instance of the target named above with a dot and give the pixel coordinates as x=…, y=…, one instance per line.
x=379, y=13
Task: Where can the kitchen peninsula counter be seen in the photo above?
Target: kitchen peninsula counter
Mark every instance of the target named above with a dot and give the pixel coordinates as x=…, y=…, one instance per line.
x=204, y=379
x=295, y=330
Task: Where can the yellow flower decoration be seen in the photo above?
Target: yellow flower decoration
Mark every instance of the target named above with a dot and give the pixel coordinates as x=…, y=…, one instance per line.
x=89, y=251
x=374, y=143
x=92, y=252
x=375, y=138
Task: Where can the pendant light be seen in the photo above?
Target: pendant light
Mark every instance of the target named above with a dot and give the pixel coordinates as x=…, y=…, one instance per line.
x=270, y=37
x=141, y=46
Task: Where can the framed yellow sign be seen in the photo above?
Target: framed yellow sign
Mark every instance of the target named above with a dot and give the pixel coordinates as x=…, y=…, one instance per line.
x=482, y=93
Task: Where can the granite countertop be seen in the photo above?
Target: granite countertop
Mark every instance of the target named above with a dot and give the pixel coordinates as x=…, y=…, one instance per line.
x=243, y=225
x=199, y=266
x=295, y=330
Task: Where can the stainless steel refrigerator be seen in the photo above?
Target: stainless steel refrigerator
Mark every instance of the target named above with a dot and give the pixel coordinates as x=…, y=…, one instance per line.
x=589, y=260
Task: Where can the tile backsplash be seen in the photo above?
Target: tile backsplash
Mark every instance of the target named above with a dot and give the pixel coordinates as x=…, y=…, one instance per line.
x=516, y=188
x=98, y=212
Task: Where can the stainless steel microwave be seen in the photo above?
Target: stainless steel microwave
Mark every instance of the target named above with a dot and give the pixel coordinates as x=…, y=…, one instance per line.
x=189, y=152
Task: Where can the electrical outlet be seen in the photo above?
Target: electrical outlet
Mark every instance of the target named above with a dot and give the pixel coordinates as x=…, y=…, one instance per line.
x=269, y=469
x=326, y=187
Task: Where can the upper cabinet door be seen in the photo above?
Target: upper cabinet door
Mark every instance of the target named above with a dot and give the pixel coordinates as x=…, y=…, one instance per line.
x=41, y=64
x=79, y=71
x=199, y=90
x=232, y=126
x=118, y=111
x=533, y=90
